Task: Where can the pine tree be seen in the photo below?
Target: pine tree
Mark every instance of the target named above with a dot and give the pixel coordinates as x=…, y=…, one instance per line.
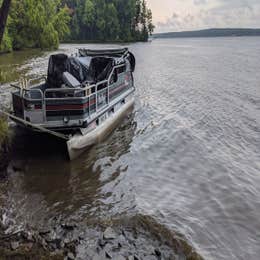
x=150, y=22
x=144, y=30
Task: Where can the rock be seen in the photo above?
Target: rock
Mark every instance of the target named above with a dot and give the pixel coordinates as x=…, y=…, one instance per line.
x=108, y=255
x=150, y=257
x=67, y=241
x=29, y=246
x=53, y=237
x=68, y=226
x=27, y=236
x=43, y=232
x=119, y=257
x=151, y=250
x=70, y=256
x=14, y=245
x=101, y=242
x=121, y=241
x=112, y=246
x=62, y=244
x=43, y=243
x=57, y=253
x=109, y=234
x=71, y=238
x=157, y=252
x=97, y=257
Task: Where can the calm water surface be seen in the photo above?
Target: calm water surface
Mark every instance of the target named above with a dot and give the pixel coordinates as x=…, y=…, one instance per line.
x=188, y=156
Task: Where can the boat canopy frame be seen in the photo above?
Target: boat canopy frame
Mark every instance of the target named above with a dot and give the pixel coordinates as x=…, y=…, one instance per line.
x=123, y=53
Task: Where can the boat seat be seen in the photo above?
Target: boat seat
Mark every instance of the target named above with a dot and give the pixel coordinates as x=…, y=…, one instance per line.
x=70, y=80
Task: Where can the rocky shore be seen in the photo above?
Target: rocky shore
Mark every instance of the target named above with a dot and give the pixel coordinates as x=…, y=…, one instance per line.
x=71, y=241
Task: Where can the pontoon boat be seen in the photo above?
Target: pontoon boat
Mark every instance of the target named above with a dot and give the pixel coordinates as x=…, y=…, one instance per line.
x=82, y=98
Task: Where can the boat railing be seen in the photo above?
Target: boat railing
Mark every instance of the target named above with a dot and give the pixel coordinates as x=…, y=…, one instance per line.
x=26, y=96
x=30, y=81
x=100, y=94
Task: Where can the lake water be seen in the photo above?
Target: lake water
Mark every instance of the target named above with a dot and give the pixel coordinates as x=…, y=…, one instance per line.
x=188, y=156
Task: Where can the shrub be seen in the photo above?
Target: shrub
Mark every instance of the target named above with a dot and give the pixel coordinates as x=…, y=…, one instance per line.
x=49, y=39
x=6, y=45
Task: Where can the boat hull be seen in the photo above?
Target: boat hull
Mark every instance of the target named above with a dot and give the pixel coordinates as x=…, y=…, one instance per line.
x=80, y=143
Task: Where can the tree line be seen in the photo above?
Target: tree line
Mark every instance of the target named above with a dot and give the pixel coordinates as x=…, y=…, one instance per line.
x=110, y=20
x=44, y=23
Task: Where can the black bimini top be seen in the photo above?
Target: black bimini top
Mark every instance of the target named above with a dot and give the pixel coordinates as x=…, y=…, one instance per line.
x=112, y=53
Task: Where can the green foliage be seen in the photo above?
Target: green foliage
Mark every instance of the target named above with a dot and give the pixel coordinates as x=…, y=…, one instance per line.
x=49, y=38
x=6, y=45
x=37, y=23
x=44, y=23
x=110, y=20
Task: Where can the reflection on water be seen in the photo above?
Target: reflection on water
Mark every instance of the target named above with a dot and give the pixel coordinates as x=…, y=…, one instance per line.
x=13, y=65
x=43, y=184
x=188, y=157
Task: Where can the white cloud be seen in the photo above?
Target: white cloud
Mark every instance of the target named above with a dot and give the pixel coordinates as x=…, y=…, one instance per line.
x=179, y=15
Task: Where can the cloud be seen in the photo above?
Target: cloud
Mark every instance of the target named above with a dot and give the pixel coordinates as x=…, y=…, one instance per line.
x=200, y=2
x=200, y=14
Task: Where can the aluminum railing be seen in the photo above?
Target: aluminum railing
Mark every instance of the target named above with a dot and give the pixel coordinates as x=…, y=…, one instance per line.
x=48, y=93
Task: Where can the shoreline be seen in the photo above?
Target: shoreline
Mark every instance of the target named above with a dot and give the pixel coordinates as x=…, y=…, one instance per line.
x=72, y=42
x=129, y=239
x=99, y=42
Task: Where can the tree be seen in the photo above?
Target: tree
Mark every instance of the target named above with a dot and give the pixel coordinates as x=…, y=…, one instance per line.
x=150, y=22
x=38, y=23
x=44, y=23
x=112, y=24
x=4, y=11
x=144, y=30
x=110, y=20
x=88, y=18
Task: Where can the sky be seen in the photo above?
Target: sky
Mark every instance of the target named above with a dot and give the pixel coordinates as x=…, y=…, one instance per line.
x=181, y=15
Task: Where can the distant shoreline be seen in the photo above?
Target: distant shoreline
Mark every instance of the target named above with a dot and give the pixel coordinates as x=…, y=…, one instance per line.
x=207, y=33
x=98, y=42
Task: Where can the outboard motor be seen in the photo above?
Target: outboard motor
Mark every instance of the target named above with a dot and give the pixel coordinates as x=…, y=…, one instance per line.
x=60, y=63
x=57, y=65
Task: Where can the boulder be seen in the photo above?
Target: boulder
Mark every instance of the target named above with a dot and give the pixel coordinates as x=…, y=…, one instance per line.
x=70, y=256
x=14, y=245
x=109, y=233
